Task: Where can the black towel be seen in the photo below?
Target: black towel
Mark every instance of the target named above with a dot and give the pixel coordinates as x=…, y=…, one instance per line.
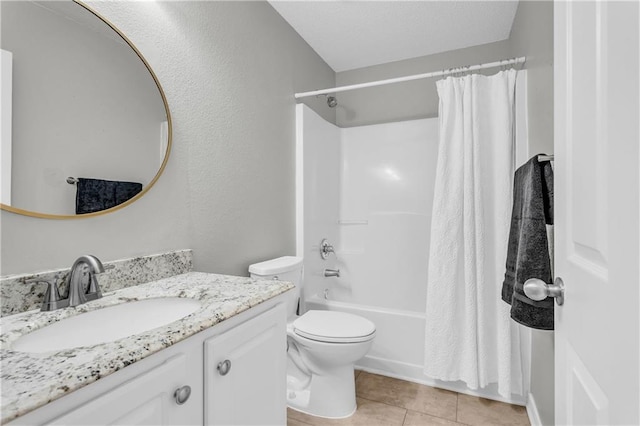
x=96, y=194
x=528, y=253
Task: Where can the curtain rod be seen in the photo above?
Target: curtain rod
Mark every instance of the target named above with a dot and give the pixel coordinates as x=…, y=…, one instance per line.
x=504, y=62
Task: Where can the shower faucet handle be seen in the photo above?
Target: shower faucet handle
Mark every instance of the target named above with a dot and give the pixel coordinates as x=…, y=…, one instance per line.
x=326, y=249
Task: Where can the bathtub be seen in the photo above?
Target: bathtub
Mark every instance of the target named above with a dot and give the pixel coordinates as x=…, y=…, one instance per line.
x=398, y=348
x=399, y=344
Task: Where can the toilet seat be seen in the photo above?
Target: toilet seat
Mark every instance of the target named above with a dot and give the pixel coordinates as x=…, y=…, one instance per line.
x=334, y=327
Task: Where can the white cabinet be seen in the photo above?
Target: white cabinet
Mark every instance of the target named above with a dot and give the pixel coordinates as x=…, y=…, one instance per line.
x=147, y=399
x=251, y=392
x=245, y=373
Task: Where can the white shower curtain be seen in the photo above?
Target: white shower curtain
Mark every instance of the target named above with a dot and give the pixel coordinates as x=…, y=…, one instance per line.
x=468, y=331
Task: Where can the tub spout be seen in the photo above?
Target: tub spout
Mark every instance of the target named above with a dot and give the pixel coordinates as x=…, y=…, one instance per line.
x=332, y=272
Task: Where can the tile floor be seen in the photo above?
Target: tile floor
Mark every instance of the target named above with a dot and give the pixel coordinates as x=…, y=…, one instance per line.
x=384, y=401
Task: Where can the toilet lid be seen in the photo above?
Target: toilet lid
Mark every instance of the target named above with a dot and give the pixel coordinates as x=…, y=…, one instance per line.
x=338, y=327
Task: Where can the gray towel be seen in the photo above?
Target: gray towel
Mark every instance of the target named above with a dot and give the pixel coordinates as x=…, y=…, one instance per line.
x=94, y=195
x=528, y=252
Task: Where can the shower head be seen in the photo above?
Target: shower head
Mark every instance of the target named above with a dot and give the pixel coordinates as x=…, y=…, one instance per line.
x=332, y=102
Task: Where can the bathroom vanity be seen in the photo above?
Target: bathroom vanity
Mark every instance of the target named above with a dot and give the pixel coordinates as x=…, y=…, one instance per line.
x=222, y=364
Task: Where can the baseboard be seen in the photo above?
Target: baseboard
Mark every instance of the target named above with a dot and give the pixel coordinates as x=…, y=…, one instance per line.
x=414, y=373
x=532, y=411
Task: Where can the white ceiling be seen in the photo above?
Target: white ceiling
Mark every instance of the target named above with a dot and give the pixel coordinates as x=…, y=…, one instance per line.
x=354, y=34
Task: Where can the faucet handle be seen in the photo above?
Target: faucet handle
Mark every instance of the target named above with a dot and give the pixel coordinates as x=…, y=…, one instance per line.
x=52, y=294
x=52, y=288
x=52, y=299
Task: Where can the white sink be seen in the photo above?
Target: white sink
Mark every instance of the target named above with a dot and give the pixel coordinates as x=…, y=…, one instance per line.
x=106, y=324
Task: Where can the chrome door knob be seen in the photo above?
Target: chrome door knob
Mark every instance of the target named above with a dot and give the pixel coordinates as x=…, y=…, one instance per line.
x=224, y=367
x=182, y=394
x=536, y=289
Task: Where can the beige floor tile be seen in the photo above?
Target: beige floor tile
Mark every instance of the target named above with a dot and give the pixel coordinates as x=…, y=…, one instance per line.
x=414, y=418
x=294, y=422
x=369, y=413
x=412, y=396
x=293, y=415
x=473, y=410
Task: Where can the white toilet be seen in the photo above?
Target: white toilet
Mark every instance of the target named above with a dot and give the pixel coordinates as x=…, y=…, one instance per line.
x=322, y=347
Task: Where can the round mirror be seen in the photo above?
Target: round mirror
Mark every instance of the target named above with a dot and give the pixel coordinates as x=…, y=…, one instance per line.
x=85, y=126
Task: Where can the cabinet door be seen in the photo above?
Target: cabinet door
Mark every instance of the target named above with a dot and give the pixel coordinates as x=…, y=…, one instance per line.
x=253, y=390
x=147, y=399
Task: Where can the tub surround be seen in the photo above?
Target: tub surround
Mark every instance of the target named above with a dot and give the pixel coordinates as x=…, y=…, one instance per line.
x=30, y=381
x=24, y=292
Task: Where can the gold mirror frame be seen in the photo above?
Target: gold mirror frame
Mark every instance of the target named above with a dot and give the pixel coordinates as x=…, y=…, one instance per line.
x=166, y=156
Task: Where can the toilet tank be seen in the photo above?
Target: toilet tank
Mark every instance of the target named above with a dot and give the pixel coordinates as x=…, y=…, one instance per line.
x=286, y=268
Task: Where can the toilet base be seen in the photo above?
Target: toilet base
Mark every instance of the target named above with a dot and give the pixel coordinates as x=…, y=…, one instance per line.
x=331, y=395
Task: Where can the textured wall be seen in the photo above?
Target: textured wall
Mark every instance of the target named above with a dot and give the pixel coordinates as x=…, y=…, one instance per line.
x=229, y=70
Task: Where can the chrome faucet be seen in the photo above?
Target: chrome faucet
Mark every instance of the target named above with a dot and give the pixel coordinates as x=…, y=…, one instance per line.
x=76, y=294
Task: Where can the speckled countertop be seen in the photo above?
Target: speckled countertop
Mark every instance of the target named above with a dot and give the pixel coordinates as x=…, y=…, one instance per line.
x=32, y=380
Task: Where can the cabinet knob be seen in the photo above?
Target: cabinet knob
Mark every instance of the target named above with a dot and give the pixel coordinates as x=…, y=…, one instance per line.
x=224, y=367
x=182, y=394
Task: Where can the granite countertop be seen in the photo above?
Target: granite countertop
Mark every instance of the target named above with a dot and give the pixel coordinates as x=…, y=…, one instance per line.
x=30, y=381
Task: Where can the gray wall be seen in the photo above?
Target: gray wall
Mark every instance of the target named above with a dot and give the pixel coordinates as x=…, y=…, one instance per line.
x=409, y=100
x=532, y=36
x=229, y=70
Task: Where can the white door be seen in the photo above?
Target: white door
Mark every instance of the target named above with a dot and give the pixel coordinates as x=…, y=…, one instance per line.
x=597, y=128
